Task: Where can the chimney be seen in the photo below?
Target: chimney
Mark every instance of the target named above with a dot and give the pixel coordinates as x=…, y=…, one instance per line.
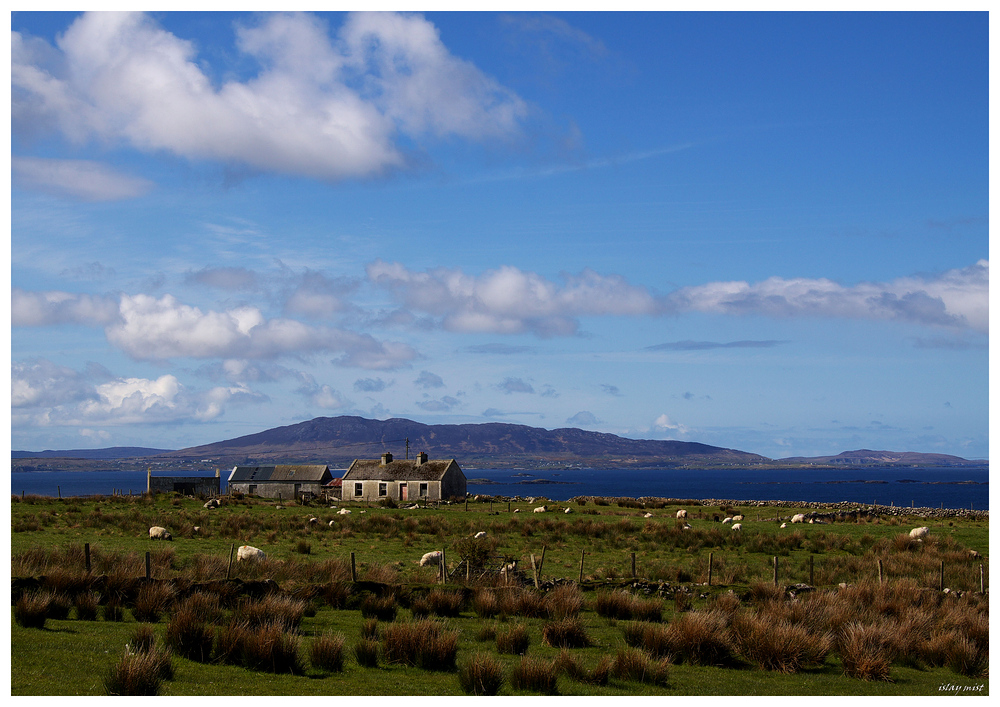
x=386, y=458
x=421, y=458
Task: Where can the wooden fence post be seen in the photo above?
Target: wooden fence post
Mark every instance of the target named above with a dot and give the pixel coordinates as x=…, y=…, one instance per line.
x=942, y=575
x=710, y=556
x=230, y=568
x=86, y=556
x=444, y=567
x=59, y=491
x=354, y=569
x=584, y=552
x=776, y=570
x=534, y=570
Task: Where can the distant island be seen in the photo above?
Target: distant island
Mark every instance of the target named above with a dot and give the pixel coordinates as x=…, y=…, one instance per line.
x=337, y=441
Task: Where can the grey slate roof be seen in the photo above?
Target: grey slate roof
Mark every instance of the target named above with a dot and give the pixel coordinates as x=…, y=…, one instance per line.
x=399, y=470
x=282, y=472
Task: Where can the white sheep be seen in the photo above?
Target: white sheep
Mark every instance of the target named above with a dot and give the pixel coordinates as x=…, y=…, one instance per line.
x=517, y=510
x=332, y=523
x=196, y=529
x=686, y=526
x=737, y=518
x=682, y=513
x=313, y=521
x=344, y=512
x=783, y=525
x=737, y=526
x=508, y=568
x=568, y=510
x=920, y=533
x=158, y=533
x=727, y=519
x=648, y=515
x=799, y=518
x=540, y=509
x=211, y=503
x=431, y=558
x=250, y=554
x=480, y=534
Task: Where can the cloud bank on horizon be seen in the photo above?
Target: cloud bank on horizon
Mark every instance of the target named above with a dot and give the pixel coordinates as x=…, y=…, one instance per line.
x=226, y=224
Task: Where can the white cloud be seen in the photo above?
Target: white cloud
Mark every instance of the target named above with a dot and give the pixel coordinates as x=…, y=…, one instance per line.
x=956, y=298
x=322, y=107
x=54, y=307
x=511, y=301
x=77, y=179
x=664, y=423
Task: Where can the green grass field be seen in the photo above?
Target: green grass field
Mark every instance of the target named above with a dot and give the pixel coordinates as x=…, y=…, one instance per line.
x=671, y=563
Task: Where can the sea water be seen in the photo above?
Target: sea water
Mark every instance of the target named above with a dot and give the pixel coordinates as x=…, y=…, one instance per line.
x=921, y=487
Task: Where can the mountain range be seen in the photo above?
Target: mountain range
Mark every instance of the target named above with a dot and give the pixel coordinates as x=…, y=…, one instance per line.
x=337, y=441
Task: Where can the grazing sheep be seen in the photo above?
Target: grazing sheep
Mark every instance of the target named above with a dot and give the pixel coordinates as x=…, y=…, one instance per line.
x=647, y=515
x=817, y=521
x=920, y=533
x=480, y=534
x=332, y=523
x=799, y=518
x=211, y=503
x=783, y=525
x=973, y=555
x=517, y=510
x=727, y=520
x=431, y=558
x=250, y=554
x=313, y=521
x=540, y=509
x=196, y=529
x=158, y=533
x=737, y=526
x=682, y=513
x=568, y=510
x=737, y=518
x=686, y=526
x=344, y=512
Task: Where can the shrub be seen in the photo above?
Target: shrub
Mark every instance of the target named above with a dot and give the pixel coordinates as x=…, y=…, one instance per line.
x=366, y=652
x=327, y=652
x=381, y=608
x=482, y=674
x=32, y=609
x=534, y=675
x=189, y=636
x=565, y=633
x=513, y=639
x=138, y=674
x=865, y=651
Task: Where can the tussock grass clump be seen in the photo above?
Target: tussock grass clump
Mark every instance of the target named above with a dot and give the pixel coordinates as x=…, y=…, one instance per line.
x=966, y=658
x=60, y=606
x=335, y=594
x=485, y=603
x=567, y=664
x=143, y=639
x=482, y=674
x=700, y=638
x=655, y=639
x=445, y=603
x=189, y=636
x=635, y=665
x=370, y=629
x=564, y=601
x=534, y=675
x=152, y=601
x=303, y=548
x=424, y=644
x=136, y=674
x=777, y=644
x=566, y=633
x=327, y=652
x=621, y=605
x=513, y=639
x=521, y=601
x=286, y=611
x=204, y=606
x=865, y=651
x=86, y=604
x=268, y=648
x=366, y=653
x=32, y=609
x=420, y=608
x=381, y=608
x=113, y=611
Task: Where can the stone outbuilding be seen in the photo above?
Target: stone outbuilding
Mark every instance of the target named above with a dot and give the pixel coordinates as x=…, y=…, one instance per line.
x=186, y=485
x=286, y=481
x=403, y=480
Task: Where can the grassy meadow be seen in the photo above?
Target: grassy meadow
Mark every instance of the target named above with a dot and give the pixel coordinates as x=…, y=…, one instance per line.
x=873, y=620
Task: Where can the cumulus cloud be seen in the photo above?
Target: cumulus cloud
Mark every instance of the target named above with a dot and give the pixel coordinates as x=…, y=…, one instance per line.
x=44, y=394
x=515, y=385
x=317, y=296
x=426, y=379
x=957, y=298
x=511, y=301
x=663, y=423
x=322, y=106
x=54, y=307
x=76, y=179
x=371, y=385
x=584, y=418
x=441, y=405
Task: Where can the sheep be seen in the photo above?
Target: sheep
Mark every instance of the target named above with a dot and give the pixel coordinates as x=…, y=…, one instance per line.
x=313, y=520
x=250, y=554
x=517, y=510
x=344, y=512
x=332, y=523
x=737, y=526
x=799, y=518
x=647, y=515
x=737, y=518
x=920, y=533
x=783, y=525
x=509, y=568
x=158, y=533
x=973, y=555
x=682, y=513
x=480, y=534
x=727, y=519
x=568, y=510
x=196, y=529
x=540, y=509
x=211, y=503
x=431, y=558
x=686, y=526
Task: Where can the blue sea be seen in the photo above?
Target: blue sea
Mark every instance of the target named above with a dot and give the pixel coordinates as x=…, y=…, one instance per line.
x=921, y=487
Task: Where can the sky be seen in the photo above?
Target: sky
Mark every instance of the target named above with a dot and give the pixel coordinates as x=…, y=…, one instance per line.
x=761, y=231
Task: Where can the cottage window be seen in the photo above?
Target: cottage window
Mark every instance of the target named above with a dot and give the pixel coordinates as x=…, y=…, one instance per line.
x=358, y=489
x=252, y=489
x=383, y=489
x=423, y=489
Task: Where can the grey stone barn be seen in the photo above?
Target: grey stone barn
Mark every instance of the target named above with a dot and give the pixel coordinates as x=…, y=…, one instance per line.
x=403, y=480
x=287, y=481
x=186, y=485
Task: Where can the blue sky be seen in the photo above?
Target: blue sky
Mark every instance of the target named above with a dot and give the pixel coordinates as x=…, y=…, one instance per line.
x=762, y=231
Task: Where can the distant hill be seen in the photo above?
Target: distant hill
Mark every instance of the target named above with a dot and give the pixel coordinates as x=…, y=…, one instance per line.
x=339, y=440
x=107, y=453
x=868, y=457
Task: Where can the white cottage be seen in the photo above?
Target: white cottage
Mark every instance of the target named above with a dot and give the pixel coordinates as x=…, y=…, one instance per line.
x=403, y=480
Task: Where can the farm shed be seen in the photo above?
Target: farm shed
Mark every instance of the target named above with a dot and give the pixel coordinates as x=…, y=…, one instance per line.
x=403, y=480
x=186, y=485
x=281, y=480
